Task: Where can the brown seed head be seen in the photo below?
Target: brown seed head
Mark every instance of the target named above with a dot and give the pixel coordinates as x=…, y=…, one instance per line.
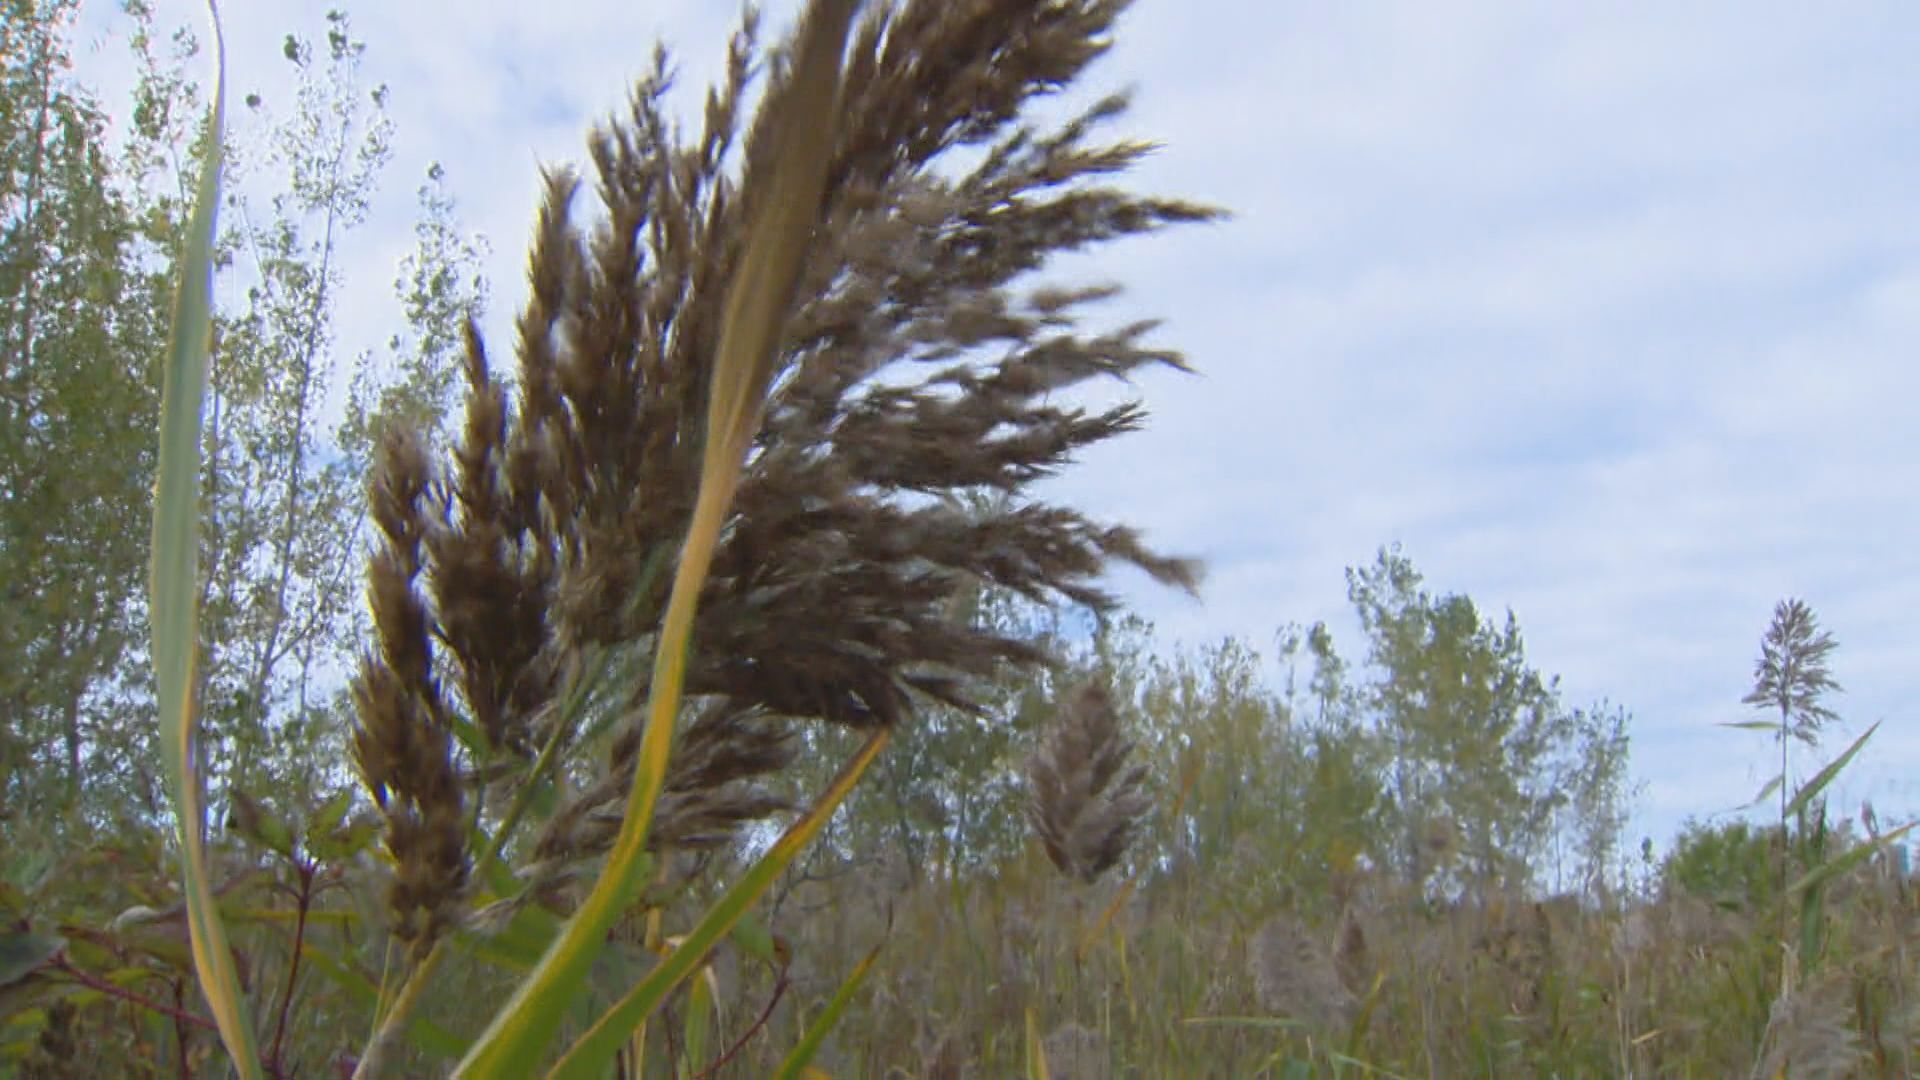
x=1085, y=802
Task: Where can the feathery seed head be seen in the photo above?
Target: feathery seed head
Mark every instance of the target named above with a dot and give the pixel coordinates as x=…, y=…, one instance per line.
x=1086, y=803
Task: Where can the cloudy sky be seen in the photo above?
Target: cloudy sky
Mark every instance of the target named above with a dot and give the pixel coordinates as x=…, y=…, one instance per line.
x=1607, y=313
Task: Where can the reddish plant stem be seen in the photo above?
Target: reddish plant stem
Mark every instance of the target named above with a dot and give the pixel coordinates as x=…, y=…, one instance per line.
x=95, y=982
x=779, y=990
x=180, y=1030
x=305, y=870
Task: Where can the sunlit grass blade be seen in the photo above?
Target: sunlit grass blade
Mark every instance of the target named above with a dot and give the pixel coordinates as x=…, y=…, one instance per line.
x=1348, y=1061
x=1357, y=1033
x=1278, y=1023
x=1036, y=1053
x=174, y=582
x=589, y=1057
x=802, y=1054
x=1098, y=928
x=702, y=994
x=778, y=237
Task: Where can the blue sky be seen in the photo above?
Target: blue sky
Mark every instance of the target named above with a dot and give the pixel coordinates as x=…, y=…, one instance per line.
x=1607, y=313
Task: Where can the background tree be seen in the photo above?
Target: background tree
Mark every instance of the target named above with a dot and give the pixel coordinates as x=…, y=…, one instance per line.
x=1477, y=742
x=78, y=339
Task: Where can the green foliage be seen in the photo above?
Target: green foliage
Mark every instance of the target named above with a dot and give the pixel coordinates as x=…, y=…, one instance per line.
x=284, y=491
x=1484, y=760
x=82, y=332
x=1733, y=864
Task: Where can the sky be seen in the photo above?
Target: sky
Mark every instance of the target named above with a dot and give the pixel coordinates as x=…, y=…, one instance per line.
x=1607, y=314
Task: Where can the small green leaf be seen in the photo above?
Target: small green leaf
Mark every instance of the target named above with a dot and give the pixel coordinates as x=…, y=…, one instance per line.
x=22, y=954
x=702, y=994
x=247, y=818
x=328, y=815
x=755, y=939
x=340, y=844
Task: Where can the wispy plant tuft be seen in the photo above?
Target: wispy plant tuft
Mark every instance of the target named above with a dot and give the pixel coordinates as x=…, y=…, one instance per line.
x=1086, y=801
x=1811, y=1036
x=1792, y=676
x=1295, y=975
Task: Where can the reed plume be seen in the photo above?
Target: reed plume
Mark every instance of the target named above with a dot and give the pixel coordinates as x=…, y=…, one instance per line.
x=917, y=362
x=1086, y=802
x=1296, y=975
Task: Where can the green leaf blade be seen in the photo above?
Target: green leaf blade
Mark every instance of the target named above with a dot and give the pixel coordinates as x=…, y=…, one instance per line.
x=174, y=581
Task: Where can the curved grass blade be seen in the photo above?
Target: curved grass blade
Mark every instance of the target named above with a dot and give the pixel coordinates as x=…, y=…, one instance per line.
x=424, y=1034
x=1036, y=1053
x=778, y=237
x=702, y=996
x=1098, y=928
x=1819, y=781
x=174, y=581
x=1848, y=859
x=589, y=1057
x=802, y=1054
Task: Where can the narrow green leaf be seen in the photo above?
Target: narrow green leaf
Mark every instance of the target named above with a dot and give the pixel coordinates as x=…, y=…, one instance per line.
x=1348, y=1061
x=22, y=954
x=755, y=938
x=589, y=1056
x=1767, y=791
x=174, y=582
x=428, y=1036
x=802, y=1054
x=1847, y=859
x=1825, y=776
x=700, y=1003
x=1813, y=929
x=1752, y=725
x=1036, y=1053
x=1283, y=1023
